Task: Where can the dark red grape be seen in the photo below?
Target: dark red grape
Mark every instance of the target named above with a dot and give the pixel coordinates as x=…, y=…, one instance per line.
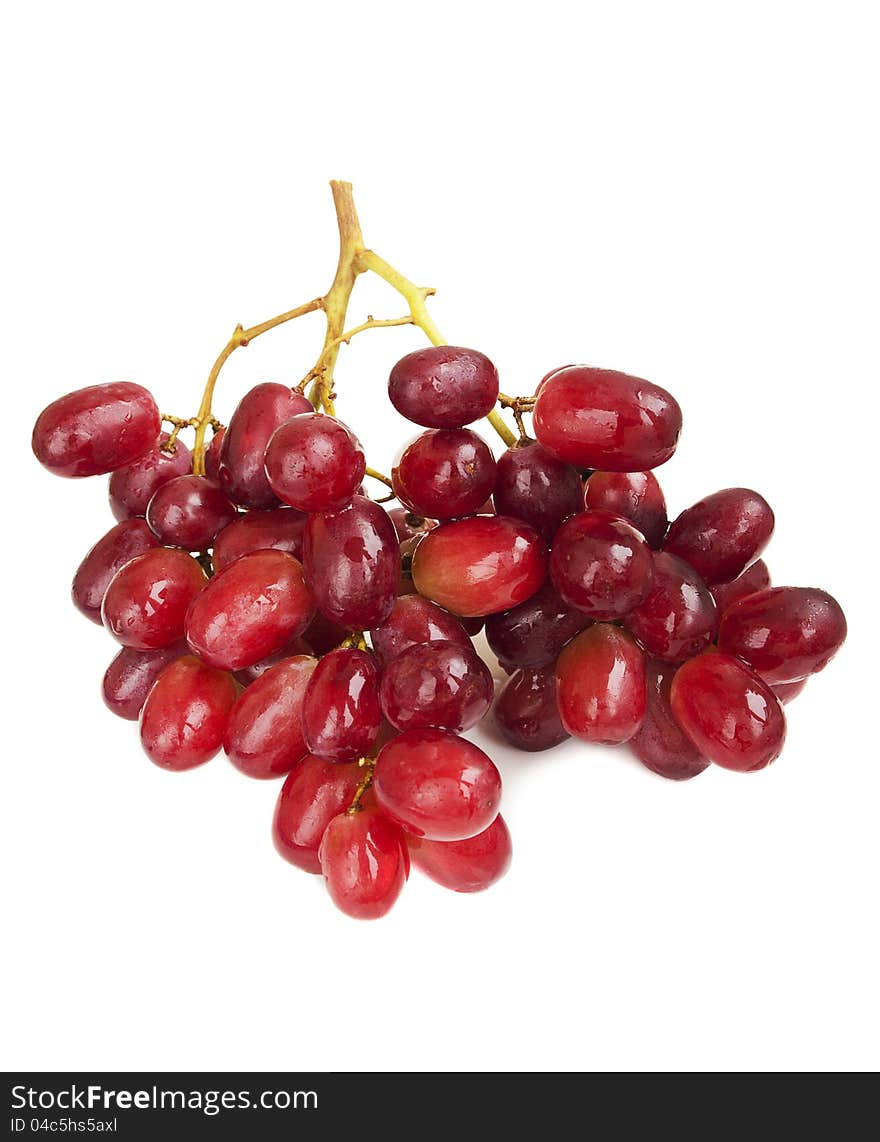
x=96, y=430
x=212, y=455
x=414, y=621
x=243, y=448
x=250, y=609
x=280, y=528
x=146, y=603
x=365, y=863
x=526, y=712
x=264, y=734
x=600, y=685
x=479, y=566
x=120, y=545
x=437, y=785
x=601, y=565
x=188, y=511
x=534, y=486
x=315, y=463
x=132, y=486
x=444, y=386
x=722, y=534
x=185, y=714
x=446, y=473
x=784, y=633
x=599, y=418
x=323, y=635
x=352, y=564
x=678, y=618
x=314, y=792
x=130, y=676
x=465, y=866
x=534, y=633
x=443, y=685
x=729, y=713
x=786, y=691
x=341, y=715
x=660, y=743
x=636, y=496
x=754, y=578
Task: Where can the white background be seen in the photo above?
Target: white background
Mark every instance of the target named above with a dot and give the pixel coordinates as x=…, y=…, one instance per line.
x=685, y=191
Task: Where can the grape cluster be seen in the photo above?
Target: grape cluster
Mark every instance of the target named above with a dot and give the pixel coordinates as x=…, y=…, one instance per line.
x=270, y=609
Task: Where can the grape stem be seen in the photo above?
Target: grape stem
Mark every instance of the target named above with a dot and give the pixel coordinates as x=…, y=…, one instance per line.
x=518, y=405
x=369, y=764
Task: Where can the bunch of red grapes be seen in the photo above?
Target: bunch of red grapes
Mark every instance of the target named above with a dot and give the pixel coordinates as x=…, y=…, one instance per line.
x=271, y=609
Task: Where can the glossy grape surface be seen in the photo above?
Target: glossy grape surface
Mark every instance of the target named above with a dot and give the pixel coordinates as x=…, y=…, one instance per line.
x=678, y=619
x=602, y=419
x=479, y=566
x=660, y=743
x=250, y=609
x=437, y=785
x=532, y=485
x=280, y=528
x=365, y=863
x=341, y=715
x=754, y=578
x=242, y=451
x=784, y=633
x=132, y=486
x=722, y=534
x=264, y=734
x=185, y=714
x=97, y=429
x=443, y=685
x=471, y=865
x=314, y=792
x=413, y=621
x=188, y=511
x=130, y=676
x=786, y=691
x=146, y=603
x=446, y=473
x=534, y=633
x=636, y=496
x=526, y=712
x=601, y=565
x=315, y=463
x=729, y=713
x=600, y=685
x=112, y=551
x=444, y=386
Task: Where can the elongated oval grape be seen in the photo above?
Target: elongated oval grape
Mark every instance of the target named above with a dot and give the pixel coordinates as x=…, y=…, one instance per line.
x=526, y=711
x=97, y=429
x=532, y=485
x=351, y=561
x=600, y=685
x=471, y=865
x=240, y=463
x=314, y=792
x=414, y=621
x=188, y=511
x=264, y=734
x=678, y=618
x=444, y=386
x=446, y=473
x=130, y=676
x=365, y=863
x=784, y=633
x=636, y=496
x=534, y=633
x=132, y=486
x=729, y=713
x=147, y=600
x=185, y=714
x=660, y=743
x=439, y=684
x=315, y=463
x=602, y=419
x=481, y=565
x=250, y=609
x=601, y=565
x=437, y=785
x=341, y=714
x=280, y=528
x=112, y=551
x=722, y=534
x=754, y=578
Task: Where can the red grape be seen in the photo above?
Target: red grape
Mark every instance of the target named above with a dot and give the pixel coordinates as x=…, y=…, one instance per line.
x=722, y=534
x=251, y=608
x=314, y=792
x=132, y=486
x=479, y=566
x=678, y=618
x=96, y=430
x=600, y=679
x=437, y=785
x=413, y=621
x=526, y=712
x=532, y=485
x=341, y=715
x=212, y=455
x=120, y=545
x=315, y=463
x=599, y=418
x=784, y=633
x=264, y=734
x=754, y=578
x=660, y=743
x=352, y=564
x=185, y=714
x=470, y=865
x=365, y=863
x=636, y=496
x=437, y=684
x=146, y=603
x=243, y=448
x=188, y=511
x=601, y=565
x=281, y=528
x=408, y=525
x=534, y=633
x=130, y=676
x=786, y=691
x=444, y=386
x=552, y=373
x=446, y=472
